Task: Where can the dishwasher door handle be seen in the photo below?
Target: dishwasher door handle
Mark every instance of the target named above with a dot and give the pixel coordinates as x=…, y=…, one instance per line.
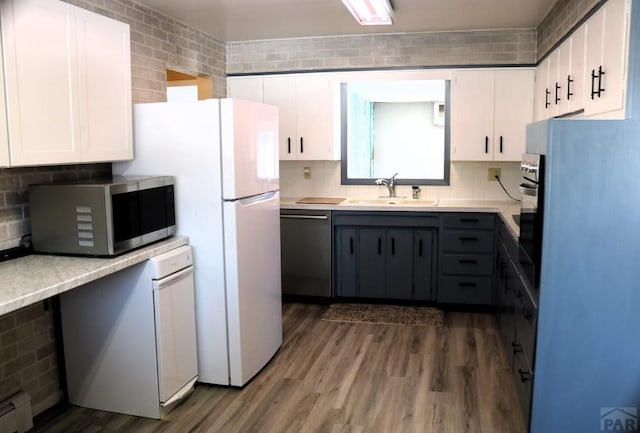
x=163, y=282
x=305, y=217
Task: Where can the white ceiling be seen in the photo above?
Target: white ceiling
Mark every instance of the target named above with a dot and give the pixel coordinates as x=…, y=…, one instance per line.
x=243, y=20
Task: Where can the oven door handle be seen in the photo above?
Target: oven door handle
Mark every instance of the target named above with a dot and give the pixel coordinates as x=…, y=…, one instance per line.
x=528, y=189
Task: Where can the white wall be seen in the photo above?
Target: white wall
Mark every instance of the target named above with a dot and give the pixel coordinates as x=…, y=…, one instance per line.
x=468, y=182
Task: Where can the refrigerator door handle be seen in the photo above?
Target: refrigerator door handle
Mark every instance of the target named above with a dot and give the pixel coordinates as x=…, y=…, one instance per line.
x=248, y=201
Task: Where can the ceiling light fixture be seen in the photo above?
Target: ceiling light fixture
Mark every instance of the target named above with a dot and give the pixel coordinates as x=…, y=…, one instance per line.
x=370, y=12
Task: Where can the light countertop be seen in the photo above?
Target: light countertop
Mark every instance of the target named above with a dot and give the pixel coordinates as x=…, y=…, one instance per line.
x=506, y=209
x=27, y=280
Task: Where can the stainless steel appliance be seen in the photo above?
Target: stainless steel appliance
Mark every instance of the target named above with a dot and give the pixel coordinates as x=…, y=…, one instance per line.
x=305, y=239
x=101, y=217
x=532, y=169
x=130, y=338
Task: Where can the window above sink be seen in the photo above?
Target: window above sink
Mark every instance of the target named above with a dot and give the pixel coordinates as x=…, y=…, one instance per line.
x=395, y=126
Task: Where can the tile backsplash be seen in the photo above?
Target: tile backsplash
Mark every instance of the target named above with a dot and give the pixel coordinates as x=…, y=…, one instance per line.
x=468, y=180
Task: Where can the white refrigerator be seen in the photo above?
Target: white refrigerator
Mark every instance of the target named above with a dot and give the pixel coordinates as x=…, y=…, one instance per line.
x=224, y=156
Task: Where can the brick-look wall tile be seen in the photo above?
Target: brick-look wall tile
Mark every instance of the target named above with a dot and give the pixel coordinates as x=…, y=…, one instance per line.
x=28, y=358
x=417, y=49
x=562, y=17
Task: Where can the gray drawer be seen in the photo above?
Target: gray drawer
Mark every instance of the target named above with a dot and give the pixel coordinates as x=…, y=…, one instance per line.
x=465, y=290
x=468, y=221
x=467, y=264
x=458, y=241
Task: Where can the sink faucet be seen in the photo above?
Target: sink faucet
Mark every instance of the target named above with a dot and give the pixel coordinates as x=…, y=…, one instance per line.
x=389, y=183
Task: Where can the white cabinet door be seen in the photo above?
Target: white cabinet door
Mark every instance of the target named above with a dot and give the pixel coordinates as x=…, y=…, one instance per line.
x=4, y=131
x=542, y=92
x=490, y=112
x=315, y=117
x=281, y=92
x=577, y=76
x=554, y=84
x=607, y=36
x=513, y=111
x=305, y=105
x=472, y=102
x=104, y=82
x=40, y=52
x=249, y=88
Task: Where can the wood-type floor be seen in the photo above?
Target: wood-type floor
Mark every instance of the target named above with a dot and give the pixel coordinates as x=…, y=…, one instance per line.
x=331, y=377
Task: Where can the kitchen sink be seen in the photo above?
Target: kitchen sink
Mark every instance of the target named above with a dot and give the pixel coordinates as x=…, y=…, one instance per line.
x=390, y=201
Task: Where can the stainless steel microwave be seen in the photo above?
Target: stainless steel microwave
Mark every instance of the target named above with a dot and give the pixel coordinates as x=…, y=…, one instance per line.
x=101, y=217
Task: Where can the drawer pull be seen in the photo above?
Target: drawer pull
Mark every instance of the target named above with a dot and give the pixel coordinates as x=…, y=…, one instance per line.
x=469, y=220
x=467, y=284
x=288, y=144
x=468, y=238
x=301, y=145
x=525, y=376
x=305, y=217
x=527, y=313
x=468, y=262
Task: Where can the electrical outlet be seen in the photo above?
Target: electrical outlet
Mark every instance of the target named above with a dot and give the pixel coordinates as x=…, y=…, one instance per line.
x=492, y=173
x=306, y=172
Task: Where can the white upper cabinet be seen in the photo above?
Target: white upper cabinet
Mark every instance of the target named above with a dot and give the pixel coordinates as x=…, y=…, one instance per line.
x=68, y=80
x=490, y=109
x=306, y=109
x=306, y=115
x=572, y=72
x=588, y=70
x=104, y=77
x=541, y=90
x=4, y=137
x=607, y=41
x=560, y=79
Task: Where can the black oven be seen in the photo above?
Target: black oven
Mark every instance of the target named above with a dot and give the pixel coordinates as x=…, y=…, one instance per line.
x=531, y=211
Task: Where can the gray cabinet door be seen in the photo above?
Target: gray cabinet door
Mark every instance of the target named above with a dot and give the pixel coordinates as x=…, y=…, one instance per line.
x=399, y=263
x=346, y=262
x=423, y=265
x=372, y=262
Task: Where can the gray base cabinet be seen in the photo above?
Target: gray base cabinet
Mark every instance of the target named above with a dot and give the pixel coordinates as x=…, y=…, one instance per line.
x=385, y=256
x=467, y=245
x=517, y=314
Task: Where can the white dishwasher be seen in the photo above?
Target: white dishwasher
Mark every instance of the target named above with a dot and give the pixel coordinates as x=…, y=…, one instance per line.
x=130, y=338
